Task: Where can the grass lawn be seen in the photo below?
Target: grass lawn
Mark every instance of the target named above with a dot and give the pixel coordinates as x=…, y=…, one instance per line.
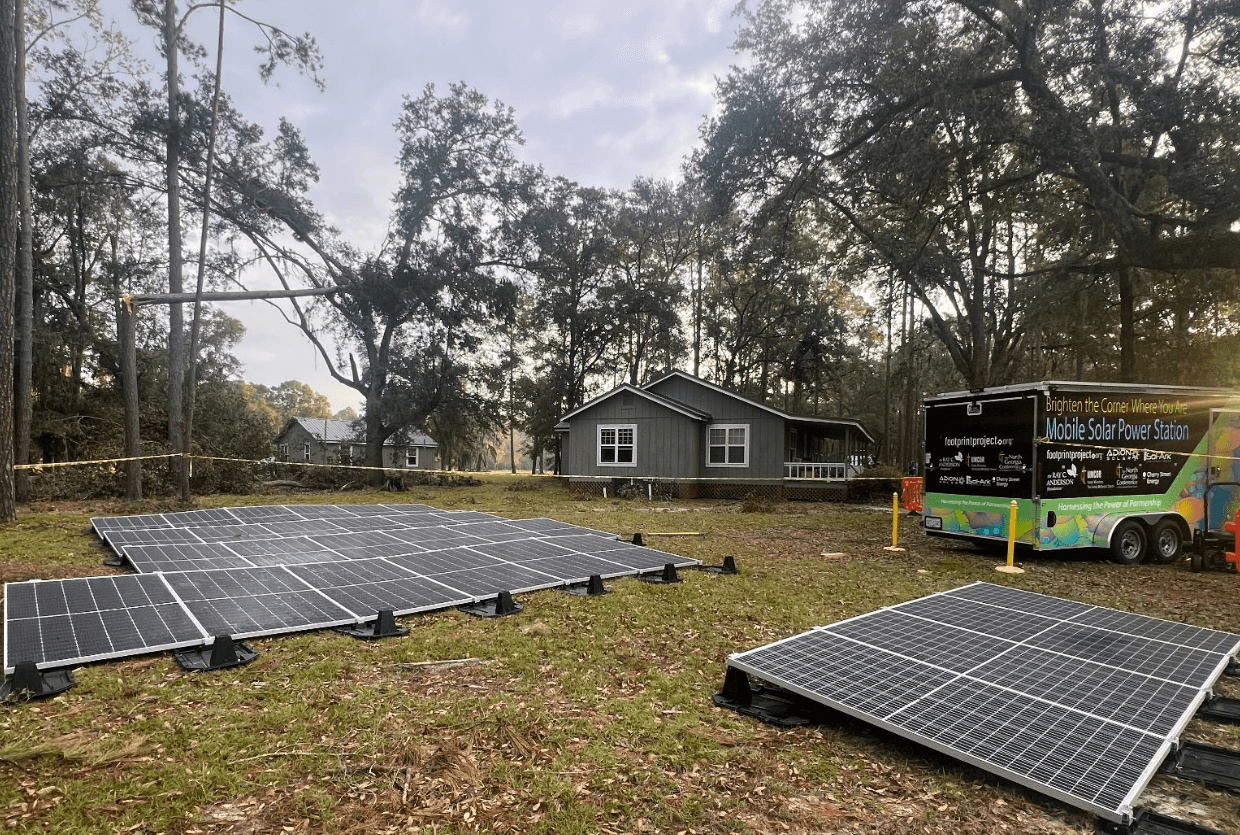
x=579, y=715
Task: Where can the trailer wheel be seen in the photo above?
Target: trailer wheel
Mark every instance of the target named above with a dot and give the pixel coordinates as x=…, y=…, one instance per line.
x=1197, y=562
x=1168, y=541
x=1128, y=542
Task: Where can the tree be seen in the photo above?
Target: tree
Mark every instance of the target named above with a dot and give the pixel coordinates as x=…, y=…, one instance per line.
x=653, y=242
x=1104, y=117
x=9, y=221
x=293, y=398
x=280, y=48
x=418, y=312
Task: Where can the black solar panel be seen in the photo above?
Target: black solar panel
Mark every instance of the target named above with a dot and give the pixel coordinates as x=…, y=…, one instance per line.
x=255, y=601
x=252, y=571
x=1077, y=701
x=93, y=618
x=366, y=587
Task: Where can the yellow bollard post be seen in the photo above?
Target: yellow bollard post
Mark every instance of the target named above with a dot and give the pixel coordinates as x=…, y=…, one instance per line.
x=895, y=524
x=1011, y=568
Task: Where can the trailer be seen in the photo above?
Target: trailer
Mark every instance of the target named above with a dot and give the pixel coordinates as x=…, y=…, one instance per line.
x=1144, y=472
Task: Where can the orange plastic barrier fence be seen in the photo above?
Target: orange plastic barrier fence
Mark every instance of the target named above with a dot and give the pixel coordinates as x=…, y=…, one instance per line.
x=912, y=489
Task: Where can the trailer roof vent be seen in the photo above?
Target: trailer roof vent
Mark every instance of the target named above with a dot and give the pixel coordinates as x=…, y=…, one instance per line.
x=974, y=409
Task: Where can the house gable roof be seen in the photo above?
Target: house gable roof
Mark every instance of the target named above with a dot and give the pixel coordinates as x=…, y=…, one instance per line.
x=665, y=402
x=755, y=404
x=331, y=431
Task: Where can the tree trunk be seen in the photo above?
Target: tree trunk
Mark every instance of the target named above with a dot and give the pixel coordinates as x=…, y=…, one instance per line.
x=176, y=318
x=1127, y=327
x=22, y=404
x=126, y=314
x=8, y=247
x=192, y=365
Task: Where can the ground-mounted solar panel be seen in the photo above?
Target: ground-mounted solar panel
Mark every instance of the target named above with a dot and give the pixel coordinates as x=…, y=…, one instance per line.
x=201, y=518
x=554, y=527
x=267, y=570
x=264, y=513
x=178, y=556
x=1077, y=701
x=354, y=539
x=250, y=602
x=59, y=623
x=444, y=560
x=435, y=536
x=365, y=587
x=128, y=523
x=118, y=539
x=487, y=581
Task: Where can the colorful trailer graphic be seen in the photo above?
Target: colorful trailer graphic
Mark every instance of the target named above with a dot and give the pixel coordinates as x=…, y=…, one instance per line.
x=1139, y=470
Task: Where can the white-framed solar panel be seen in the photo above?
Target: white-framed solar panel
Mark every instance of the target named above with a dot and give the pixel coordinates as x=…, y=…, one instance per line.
x=1079, y=702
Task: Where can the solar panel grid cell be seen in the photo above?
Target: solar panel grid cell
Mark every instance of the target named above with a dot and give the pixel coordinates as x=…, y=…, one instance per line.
x=1080, y=712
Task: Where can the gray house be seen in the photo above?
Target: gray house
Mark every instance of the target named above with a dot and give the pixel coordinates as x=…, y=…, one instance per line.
x=326, y=441
x=694, y=438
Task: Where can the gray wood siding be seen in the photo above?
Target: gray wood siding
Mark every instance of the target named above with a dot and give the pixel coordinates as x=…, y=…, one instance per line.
x=767, y=440
x=667, y=443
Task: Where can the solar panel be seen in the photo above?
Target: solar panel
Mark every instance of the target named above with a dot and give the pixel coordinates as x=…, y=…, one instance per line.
x=183, y=557
x=1079, y=702
x=62, y=622
x=255, y=601
x=366, y=587
x=267, y=570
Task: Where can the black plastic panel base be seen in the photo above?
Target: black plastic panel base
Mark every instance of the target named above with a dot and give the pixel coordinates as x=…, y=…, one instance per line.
x=1220, y=709
x=1145, y=822
x=114, y=561
x=667, y=575
x=593, y=588
x=501, y=606
x=1209, y=764
x=728, y=567
x=383, y=626
x=223, y=653
x=772, y=705
x=29, y=682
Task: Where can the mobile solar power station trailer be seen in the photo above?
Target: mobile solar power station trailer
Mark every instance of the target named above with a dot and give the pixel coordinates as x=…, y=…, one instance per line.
x=1145, y=472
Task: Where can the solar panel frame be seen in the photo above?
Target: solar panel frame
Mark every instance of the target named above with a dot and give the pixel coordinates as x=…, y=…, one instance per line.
x=1007, y=704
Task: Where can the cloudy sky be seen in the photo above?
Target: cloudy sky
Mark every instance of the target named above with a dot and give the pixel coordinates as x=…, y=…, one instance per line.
x=604, y=92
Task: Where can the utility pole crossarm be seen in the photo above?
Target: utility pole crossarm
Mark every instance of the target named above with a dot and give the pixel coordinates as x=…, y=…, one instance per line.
x=228, y=295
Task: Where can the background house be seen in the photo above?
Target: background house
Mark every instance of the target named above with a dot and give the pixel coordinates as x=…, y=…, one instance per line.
x=694, y=438
x=327, y=441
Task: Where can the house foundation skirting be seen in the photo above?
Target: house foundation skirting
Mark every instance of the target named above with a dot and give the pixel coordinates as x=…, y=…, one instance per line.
x=656, y=488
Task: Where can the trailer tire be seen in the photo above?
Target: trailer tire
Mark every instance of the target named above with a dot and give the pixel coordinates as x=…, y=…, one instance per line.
x=1128, y=542
x=1197, y=562
x=1167, y=541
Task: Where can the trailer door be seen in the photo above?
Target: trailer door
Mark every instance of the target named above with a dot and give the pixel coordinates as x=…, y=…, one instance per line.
x=1223, y=467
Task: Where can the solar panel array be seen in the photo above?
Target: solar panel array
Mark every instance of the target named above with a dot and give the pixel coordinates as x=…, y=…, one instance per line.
x=252, y=571
x=1079, y=702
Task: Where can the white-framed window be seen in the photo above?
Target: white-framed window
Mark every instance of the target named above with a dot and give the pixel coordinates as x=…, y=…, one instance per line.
x=727, y=445
x=411, y=456
x=617, y=445
x=283, y=452
x=305, y=451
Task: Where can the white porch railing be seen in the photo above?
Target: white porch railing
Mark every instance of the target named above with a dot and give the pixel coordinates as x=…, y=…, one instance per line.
x=815, y=472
